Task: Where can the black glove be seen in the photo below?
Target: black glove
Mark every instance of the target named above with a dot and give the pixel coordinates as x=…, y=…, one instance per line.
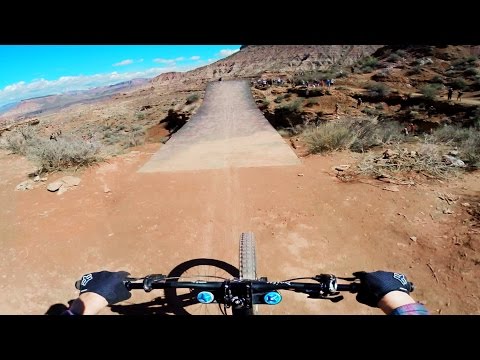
x=108, y=284
x=375, y=285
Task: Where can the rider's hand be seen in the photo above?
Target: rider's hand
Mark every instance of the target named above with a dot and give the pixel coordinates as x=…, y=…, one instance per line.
x=375, y=285
x=109, y=285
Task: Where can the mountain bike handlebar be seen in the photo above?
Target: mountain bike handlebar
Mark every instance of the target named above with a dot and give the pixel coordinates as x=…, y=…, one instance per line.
x=242, y=294
x=326, y=284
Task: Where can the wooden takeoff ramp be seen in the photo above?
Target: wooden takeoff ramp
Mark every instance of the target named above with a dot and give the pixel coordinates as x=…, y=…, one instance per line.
x=228, y=130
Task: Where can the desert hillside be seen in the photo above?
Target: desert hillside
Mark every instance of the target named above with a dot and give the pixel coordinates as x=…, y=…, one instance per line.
x=253, y=60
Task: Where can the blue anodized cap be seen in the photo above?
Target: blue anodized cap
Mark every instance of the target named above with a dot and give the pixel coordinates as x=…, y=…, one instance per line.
x=272, y=298
x=205, y=297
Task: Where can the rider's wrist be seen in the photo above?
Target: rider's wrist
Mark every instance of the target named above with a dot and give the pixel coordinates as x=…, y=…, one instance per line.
x=88, y=303
x=393, y=300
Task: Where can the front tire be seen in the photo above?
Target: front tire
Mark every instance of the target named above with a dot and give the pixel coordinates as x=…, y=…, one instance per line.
x=248, y=266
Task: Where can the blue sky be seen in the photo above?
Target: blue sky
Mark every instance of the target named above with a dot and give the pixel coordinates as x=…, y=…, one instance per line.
x=35, y=70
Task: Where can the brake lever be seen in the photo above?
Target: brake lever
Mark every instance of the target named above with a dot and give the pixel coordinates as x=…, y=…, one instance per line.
x=330, y=297
x=151, y=279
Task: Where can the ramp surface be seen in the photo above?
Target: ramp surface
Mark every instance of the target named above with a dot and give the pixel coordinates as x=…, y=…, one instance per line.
x=227, y=131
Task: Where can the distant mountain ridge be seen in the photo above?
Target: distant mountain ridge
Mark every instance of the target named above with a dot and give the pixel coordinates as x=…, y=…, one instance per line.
x=6, y=107
x=39, y=104
x=252, y=60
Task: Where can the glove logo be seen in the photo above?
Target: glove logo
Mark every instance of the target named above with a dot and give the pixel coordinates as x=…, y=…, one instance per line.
x=86, y=278
x=401, y=278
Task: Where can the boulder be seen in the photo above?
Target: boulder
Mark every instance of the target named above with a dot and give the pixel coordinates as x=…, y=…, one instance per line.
x=54, y=186
x=451, y=160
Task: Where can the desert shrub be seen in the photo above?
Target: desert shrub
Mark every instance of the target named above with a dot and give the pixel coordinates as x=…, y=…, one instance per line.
x=355, y=134
x=364, y=136
x=459, y=83
x=381, y=75
x=192, y=98
x=437, y=79
x=430, y=91
x=394, y=57
x=451, y=134
x=389, y=132
x=64, y=153
x=378, y=89
x=370, y=133
x=294, y=106
x=467, y=141
x=366, y=69
x=415, y=70
x=471, y=59
x=135, y=137
x=311, y=102
x=328, y=137
x=471, y=71
x=370, y=112
x=112, y=139
x=475, y=118
x=18, y=140
x=469, y=150
x=285, y=132
x=263, y=104
x=367, y=64
x=108, y=133
x=15, y=143
x=464, y=62
x=278, y=99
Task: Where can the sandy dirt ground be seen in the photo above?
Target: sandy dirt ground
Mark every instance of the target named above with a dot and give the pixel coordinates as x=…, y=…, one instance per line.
x=305, y=224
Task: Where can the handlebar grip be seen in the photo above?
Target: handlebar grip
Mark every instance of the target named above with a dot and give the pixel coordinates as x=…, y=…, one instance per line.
x=354, y=287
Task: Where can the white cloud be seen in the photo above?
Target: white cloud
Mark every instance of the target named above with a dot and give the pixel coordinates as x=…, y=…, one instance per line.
x=124, y=62
x=227, y=52
x=164, y=61
x=40, y=87
x=127, y=62
x=181, y=58
x=195, y=57
x=14, y=87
